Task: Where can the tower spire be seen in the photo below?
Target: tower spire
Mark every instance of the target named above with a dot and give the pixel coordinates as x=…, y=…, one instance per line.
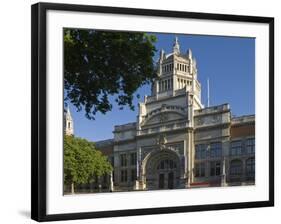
x=176, y=46
x=68, y=123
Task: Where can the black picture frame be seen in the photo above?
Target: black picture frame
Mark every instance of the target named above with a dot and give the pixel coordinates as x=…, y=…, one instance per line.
x=39, y=114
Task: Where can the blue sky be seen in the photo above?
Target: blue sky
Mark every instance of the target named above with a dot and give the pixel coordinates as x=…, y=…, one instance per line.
x=228, y=62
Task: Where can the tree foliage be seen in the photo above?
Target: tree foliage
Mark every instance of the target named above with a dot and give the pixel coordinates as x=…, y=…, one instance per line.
x=99, y=64
x=82, y=161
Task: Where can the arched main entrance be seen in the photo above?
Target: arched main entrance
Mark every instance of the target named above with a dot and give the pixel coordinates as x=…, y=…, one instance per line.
x=161, y=169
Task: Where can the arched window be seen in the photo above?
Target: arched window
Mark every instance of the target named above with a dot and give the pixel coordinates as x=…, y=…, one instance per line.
x=166, y=164
x=250, y=166
x=236, y=167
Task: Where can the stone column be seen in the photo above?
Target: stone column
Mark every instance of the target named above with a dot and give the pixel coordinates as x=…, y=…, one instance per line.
x=111, y=185
x=190, y=158
x=138, y=166
x=157, y=88
x=223, y=175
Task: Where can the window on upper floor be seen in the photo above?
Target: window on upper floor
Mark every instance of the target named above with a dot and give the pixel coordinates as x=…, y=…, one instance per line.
x=200, y=151
x=215, y=149
x=123, y=158
x=133, y=159
x=236, y=148
x=250, y=146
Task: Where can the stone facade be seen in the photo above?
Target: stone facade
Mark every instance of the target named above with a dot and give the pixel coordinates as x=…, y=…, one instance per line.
x=176, y=142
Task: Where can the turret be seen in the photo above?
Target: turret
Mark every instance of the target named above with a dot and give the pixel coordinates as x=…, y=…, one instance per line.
x=68, y=123
x=176, y=46
x=162, y=55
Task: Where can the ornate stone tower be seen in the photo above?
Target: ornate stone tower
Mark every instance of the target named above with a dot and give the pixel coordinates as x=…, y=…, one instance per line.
x=177, y=72
x=68, y=123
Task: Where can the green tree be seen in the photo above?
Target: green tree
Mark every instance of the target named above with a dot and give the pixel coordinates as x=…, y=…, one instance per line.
x=100, y=64
x=82, y=161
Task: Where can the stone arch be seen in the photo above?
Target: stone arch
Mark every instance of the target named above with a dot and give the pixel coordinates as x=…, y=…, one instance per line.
x=152, y=169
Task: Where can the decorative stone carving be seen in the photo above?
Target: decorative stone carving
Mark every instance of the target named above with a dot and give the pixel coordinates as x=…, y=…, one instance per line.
x=161, y=141
x=163, y=117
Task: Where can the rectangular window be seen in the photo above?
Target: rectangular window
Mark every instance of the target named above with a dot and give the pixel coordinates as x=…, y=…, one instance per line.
x=166, y=85
x=133, y=175
x=200, y=170
x=236, y=148
x=169, y=84
x=250, y=146
x=124, y=176
x=215, y=168
x=133, y=159
x=250, y=166
x=200, y=151
x=123, y=159
x=215, y=150
x=236, y=167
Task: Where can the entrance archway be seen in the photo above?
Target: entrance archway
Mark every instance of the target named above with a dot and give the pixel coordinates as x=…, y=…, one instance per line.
x=161, y=169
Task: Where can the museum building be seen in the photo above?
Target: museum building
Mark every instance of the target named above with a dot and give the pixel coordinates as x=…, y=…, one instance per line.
x=176, y=142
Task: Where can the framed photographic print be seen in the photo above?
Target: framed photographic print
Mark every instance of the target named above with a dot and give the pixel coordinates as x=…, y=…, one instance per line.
x=139, y=111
